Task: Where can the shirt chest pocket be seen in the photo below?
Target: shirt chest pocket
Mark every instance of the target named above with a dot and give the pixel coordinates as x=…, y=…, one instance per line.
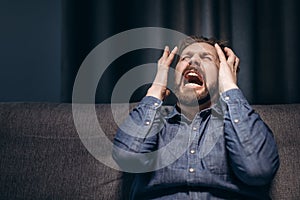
x=216, y=159
x=213, y=152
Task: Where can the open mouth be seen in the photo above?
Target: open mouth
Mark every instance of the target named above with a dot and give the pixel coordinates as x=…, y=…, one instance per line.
x=193, y=79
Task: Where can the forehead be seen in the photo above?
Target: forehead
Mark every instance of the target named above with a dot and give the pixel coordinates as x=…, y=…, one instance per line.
x=200, y=47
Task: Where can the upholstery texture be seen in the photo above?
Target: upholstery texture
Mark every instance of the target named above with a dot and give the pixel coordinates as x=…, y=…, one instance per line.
x=42, y=156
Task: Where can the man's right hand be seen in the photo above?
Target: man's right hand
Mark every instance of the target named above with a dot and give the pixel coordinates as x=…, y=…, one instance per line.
x=158, y=88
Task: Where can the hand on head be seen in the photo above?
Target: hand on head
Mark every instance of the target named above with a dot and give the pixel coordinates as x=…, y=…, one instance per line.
x=227, y=75
x=228, y=69
x=159, y=86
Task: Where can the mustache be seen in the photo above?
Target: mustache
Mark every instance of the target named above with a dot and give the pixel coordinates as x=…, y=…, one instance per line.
x=193, y=68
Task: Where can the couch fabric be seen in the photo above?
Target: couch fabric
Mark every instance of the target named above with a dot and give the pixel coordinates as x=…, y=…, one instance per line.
x=42, y=156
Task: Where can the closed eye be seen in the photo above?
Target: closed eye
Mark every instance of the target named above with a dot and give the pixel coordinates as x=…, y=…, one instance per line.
x=186, y=57
x=206, y=57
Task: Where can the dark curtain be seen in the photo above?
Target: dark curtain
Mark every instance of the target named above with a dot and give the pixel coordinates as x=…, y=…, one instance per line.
x=263, y=33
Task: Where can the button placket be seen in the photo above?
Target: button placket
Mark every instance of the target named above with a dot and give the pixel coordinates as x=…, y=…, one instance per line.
x=192, y=149
x=191, y=170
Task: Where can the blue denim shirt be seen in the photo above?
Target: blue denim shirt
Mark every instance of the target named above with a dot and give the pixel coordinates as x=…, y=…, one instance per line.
x=226, y=152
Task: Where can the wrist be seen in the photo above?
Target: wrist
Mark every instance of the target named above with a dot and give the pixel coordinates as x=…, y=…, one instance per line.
x=226, y=87
x=157, y=91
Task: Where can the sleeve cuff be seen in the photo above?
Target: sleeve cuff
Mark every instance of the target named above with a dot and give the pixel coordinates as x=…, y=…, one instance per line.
x=151, y=102
x=232, y=97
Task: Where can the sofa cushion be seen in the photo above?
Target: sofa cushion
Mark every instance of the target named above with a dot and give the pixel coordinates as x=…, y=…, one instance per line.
x=42, y=156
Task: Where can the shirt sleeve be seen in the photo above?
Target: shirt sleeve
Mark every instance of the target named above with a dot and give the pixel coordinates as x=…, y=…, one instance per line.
x=138, y=134
x=252, y=149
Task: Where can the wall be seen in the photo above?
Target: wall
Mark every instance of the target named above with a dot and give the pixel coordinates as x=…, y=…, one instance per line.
x=30, y=42
x=43, y=43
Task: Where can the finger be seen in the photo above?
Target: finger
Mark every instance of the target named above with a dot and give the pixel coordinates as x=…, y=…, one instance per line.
x=229, y=52
x=174, y=51
x=236, y=64
x=237, y=61
x=231, y=56
x=164, y=56
x=168, y=92
x=232, y=60
x=172, y=55
x=166, y=52
x=220, y=53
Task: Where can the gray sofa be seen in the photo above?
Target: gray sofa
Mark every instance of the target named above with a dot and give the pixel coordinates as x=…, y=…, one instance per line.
x=42, y=156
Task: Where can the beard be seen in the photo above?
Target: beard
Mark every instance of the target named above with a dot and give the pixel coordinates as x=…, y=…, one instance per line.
x=189, y=97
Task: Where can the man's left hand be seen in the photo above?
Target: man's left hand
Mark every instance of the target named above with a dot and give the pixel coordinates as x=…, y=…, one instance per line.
x=228, y=69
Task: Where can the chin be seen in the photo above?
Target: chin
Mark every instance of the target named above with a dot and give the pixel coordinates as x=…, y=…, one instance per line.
x=190, y=97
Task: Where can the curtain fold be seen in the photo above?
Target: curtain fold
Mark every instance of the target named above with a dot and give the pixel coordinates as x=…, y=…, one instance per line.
x=263, y=33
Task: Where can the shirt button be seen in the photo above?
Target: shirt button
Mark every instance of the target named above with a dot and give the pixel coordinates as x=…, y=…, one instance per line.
x=192, y=151
x=194, y=128
x=227, y=98
x=147, y=122
x=191, y=170
x=236, y=121
x=156, y=104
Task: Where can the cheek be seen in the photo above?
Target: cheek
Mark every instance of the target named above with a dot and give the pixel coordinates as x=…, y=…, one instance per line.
x=211, y=74
x=181, y=65
x=179, y=70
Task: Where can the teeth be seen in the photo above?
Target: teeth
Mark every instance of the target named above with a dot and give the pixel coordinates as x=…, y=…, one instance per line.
x=191, y=84
x=192, y=74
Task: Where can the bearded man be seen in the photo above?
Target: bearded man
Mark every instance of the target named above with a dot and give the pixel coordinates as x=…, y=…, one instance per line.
x=210, y=145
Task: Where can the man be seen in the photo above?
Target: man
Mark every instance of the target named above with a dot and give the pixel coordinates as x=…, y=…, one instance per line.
x=211, y=145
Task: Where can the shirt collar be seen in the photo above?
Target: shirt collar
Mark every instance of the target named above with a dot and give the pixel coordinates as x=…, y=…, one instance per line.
x=173, y=112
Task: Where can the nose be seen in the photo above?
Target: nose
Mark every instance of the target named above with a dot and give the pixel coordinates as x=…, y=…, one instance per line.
x=194, y=61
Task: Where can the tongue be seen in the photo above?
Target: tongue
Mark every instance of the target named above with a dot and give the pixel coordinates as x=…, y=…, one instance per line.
x=194, y=80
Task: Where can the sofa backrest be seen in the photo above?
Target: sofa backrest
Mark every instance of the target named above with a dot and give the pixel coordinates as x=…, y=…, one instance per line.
x=284, y=121
x=42, y=156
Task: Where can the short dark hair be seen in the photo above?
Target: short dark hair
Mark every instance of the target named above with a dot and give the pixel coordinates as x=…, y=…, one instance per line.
x=197, y=39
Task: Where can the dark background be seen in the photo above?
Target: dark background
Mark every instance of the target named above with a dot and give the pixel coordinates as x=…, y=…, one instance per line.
x=43, y=43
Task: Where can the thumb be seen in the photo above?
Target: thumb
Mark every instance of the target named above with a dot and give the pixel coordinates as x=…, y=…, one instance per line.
x=168, y=92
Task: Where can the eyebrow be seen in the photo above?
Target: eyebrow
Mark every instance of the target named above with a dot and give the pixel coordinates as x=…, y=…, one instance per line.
x=202, y=53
